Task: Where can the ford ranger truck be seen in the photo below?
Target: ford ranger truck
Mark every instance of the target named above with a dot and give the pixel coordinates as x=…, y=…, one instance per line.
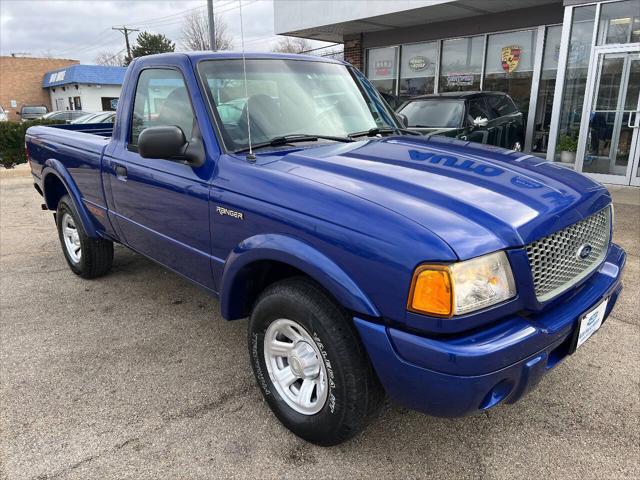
x=448, y=275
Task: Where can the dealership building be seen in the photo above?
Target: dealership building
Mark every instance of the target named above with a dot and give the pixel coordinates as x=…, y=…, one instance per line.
x=572, y=66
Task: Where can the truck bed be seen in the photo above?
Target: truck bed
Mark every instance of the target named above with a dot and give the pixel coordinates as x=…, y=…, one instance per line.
x=75, y=148
x=101, y=129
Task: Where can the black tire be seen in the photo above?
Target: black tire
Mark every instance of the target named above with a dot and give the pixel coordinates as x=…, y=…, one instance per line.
x=96, y=254
x=355, y=395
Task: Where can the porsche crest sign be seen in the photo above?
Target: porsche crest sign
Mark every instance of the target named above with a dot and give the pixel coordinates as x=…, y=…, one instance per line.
x=510, y=58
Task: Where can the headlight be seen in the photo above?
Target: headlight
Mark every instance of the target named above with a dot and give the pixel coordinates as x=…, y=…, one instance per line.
x=448, y=290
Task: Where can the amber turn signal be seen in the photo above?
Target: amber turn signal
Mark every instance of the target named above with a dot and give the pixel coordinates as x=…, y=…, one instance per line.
x=431, y=291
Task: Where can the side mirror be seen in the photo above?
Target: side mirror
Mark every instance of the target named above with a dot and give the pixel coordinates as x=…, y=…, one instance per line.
x=480, y=122
x=169, y=143
x=18, y=113
x=403, y=119
x=162, y=142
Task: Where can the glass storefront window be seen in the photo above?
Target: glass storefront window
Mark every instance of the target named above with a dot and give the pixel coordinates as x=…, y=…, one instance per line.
x=382, y=64
x=575, y=80
x=461, y=64
x=417, y=69
x=509, y=65
x=546, y=89
x=619, y=22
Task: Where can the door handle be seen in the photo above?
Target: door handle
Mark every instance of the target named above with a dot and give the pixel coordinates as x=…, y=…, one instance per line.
x=631, y=124
x=121, y=172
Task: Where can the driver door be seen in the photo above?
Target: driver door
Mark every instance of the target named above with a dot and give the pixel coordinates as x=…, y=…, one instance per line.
x=161, y=206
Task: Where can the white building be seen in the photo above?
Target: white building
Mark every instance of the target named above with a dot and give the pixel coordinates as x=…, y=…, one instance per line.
x=91, y=88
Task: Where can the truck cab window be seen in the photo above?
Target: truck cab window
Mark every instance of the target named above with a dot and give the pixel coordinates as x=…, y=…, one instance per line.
x=161, y=100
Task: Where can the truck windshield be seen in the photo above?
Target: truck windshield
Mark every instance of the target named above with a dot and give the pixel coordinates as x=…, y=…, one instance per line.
x=434, y=113
x=289, y=97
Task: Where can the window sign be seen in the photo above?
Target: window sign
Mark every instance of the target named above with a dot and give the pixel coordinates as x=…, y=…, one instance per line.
x=382, y=63
x=459, y=79
x=511, y=52
x=382, y=69
x=418, y=69
x=509, y=68
x=510, y=57
x=461, y=64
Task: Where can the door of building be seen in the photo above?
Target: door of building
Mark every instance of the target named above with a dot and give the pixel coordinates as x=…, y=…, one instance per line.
x=609, y=142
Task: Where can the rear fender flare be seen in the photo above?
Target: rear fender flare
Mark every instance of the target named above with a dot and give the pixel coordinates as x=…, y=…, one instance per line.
x=55, y=167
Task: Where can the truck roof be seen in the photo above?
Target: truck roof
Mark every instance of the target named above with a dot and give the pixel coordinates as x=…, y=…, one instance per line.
x=208, y=55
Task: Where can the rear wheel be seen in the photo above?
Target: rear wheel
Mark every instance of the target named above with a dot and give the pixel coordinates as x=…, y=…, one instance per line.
x=87, y=257
x=310, y=364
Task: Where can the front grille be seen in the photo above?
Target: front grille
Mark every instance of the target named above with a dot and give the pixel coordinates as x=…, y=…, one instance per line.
x=555, y=260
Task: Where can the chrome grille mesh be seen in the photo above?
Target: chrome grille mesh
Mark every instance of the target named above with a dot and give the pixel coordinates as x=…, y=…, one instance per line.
x=555, y=261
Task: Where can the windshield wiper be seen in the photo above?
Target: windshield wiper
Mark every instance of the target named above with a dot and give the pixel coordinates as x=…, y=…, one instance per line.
x=372, y=132
x=298, y=137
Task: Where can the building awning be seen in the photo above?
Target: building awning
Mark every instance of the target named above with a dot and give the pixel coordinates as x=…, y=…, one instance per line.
x=332, y=21
x=87, y=74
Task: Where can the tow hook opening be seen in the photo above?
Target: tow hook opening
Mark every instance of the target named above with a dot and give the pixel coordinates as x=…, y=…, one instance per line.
x=497, y=394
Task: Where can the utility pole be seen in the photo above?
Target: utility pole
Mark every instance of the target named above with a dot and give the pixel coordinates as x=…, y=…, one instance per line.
x=124, y=30
x=212, y=28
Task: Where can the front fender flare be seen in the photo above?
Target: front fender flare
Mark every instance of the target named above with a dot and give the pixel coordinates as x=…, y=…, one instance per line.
x=298, y=254
x=55, y=167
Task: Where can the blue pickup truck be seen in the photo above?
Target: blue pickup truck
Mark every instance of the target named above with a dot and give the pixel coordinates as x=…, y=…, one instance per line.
x=449, y=275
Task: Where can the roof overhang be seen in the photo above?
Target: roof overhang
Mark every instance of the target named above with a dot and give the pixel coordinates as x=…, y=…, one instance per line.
x=333, y=21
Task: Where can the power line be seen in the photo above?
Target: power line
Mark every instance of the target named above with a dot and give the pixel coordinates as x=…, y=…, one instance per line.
x=113, y=56
x=86, y=47
x=147, y=22
x=152, y=23
x=125, y=31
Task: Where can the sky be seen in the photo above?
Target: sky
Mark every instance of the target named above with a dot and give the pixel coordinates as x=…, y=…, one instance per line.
x=81, y=29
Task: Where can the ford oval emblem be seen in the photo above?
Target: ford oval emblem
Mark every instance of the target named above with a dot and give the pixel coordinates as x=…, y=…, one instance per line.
x=584, y=251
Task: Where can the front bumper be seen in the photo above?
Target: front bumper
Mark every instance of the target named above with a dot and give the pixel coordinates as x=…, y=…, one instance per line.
x=451, y=377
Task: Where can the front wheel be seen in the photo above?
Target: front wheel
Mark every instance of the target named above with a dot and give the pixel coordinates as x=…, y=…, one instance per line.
x=310, y=364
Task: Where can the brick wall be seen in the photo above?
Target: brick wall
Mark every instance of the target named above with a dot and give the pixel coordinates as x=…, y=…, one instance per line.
x=21, y=80
x=353, y=52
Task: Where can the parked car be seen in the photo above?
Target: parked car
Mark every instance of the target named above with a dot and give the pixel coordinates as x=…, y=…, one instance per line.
x=4, y=116
x=65, y=115
x=450, y=275
x=484, y=117
x=32, y=112
x=393, y=101
x=98, y=117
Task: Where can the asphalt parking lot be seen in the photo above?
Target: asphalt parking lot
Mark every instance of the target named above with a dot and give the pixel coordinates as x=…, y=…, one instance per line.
x=135, y=375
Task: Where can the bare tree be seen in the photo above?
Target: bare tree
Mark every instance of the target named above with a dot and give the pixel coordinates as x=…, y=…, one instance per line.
x=195, y=32
x=292, y=45
x=110, y=58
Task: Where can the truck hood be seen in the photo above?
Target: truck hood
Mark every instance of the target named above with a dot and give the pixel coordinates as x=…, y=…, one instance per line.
x=477, y=198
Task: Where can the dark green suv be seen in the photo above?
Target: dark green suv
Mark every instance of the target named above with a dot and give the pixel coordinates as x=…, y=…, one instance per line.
x=484, y=117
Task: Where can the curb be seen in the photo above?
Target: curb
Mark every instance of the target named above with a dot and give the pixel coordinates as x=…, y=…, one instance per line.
x=21, y=170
